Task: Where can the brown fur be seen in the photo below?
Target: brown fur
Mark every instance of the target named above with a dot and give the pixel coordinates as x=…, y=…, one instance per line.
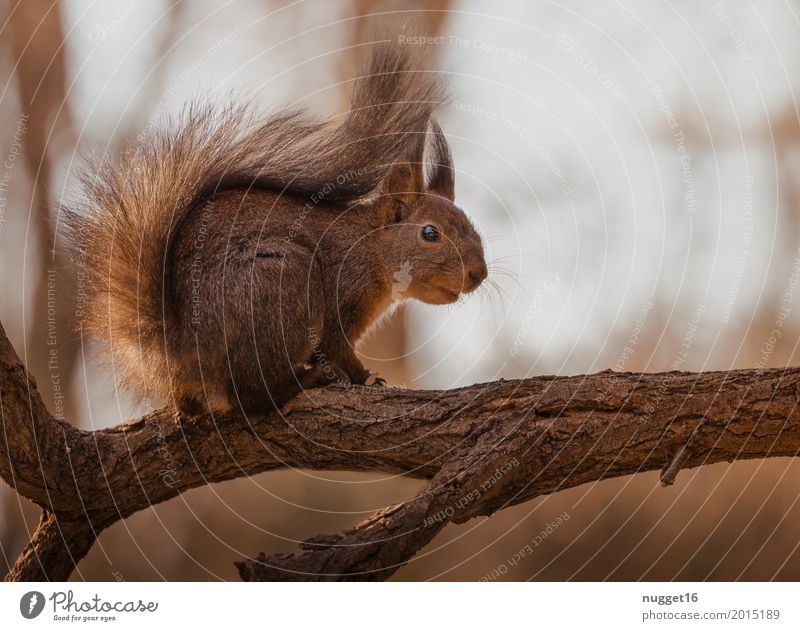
x=230, y=263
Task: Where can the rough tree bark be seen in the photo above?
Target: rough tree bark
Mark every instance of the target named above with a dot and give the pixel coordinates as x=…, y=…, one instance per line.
x=483, y=448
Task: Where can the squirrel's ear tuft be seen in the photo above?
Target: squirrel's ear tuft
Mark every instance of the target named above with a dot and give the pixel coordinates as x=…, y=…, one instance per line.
x=408, y=176
x=404, y=178
x=441, y=173
x=402, y=182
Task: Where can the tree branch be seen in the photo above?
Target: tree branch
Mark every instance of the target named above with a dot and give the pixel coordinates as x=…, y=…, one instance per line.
x=54, y=550
x=483, y=448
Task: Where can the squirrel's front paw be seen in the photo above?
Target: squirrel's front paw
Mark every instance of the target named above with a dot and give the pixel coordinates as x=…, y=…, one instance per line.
x=355, y=371
x=374, y=380
x=363, y=376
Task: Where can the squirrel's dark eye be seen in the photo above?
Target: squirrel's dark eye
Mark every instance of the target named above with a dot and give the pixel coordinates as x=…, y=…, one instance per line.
x=429, y=233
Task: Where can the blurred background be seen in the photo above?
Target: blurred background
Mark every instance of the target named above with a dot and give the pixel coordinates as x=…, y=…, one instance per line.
x=634, y=167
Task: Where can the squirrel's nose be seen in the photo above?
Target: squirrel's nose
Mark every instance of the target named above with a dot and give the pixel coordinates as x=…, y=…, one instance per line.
x=476, y=274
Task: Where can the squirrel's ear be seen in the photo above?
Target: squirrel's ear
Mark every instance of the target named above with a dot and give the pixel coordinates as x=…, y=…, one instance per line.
x=398, y=188
x=441, y=173
x=404, y=178
x=408, y=177
x=402, y=182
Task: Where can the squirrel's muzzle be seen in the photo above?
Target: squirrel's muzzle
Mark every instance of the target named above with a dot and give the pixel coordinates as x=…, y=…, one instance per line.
x=474, y=275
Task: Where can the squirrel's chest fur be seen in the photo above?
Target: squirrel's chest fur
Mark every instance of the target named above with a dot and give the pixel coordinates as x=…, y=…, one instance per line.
x=264, y=234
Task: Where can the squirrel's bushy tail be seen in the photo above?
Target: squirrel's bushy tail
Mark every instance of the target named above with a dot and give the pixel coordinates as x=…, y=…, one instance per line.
x=122, y=226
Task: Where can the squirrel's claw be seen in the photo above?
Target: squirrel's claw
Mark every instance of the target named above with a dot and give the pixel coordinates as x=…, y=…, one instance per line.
x=375, y=380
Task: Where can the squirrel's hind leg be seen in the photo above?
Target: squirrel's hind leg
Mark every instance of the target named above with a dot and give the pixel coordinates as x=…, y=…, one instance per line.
x=278, y=305
x=190, y=406
x=194, y=399
x=318, y=374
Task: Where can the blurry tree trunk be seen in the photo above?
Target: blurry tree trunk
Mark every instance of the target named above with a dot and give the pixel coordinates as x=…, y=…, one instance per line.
x=37, y=43
x=152, y=88
x=387, y=352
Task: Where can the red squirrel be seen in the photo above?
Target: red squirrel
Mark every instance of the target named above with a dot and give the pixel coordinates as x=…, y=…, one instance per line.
x=231, y=263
